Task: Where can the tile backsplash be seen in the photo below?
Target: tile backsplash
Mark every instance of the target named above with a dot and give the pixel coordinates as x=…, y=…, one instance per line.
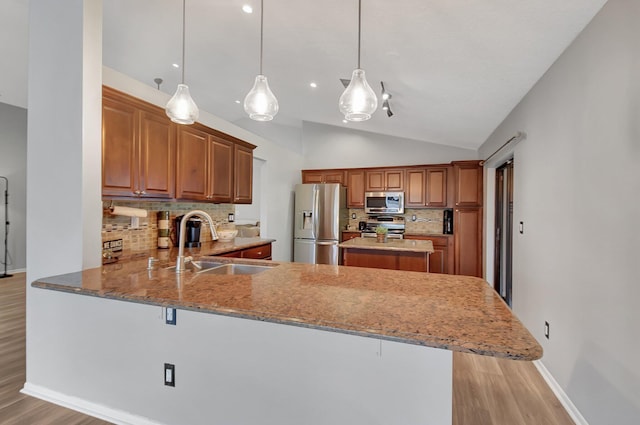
x=428, y=221
x=146, y=236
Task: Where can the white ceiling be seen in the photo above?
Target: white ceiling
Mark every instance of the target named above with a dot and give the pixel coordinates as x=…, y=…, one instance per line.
x=455, y=68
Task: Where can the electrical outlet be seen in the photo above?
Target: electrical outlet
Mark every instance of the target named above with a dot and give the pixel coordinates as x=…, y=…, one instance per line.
x=522, y=227
x=353, y=216
x=546, y=329
x=413, y=218
x=169, y=375
x=170, y=316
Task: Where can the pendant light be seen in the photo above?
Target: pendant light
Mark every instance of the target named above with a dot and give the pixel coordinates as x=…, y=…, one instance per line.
x=358, y=101
x=181, y=108
x=260, y=103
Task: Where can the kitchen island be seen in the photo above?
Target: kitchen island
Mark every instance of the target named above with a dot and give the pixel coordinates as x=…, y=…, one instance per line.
x=364, y=345
x=395, y=254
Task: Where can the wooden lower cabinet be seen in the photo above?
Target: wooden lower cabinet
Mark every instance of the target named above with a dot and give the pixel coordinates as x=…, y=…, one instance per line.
x=467, y=225
x=441, y=261
x=350, y=235
x=379, y=259
x=261, y=252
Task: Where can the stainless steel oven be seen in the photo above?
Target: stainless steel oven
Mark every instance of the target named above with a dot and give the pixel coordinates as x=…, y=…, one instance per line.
x=384, y=202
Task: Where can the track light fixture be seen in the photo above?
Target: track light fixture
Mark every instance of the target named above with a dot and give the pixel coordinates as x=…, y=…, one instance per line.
x=385, y=100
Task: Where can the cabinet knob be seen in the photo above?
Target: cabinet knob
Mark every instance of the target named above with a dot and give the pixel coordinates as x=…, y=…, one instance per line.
x=143, y=193
x=136, y=192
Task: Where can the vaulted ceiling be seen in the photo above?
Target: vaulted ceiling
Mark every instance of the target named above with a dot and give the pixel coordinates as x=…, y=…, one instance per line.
x=455, y=68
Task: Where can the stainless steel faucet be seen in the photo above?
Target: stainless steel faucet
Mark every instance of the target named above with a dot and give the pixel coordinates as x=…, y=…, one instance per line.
x=183, y=231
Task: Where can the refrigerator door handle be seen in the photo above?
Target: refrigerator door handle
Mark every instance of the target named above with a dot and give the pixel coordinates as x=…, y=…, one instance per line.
x=327, y=243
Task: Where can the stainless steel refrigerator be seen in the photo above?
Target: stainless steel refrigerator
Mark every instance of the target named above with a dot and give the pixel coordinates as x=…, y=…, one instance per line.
x=320, y=216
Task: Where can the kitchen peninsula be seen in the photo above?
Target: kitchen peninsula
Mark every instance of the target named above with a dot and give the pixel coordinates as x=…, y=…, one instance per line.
x=364, y=343
x=395, y=254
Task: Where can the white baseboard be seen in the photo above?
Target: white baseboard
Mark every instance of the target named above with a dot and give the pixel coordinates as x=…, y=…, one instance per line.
x=99, y=411
x=564, y=399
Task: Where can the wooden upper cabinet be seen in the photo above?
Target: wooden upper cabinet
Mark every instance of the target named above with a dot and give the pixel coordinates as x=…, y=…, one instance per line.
x=426, y=187
x=119, y=148
x=377, y=180
x=436, y=187
x=415, y=192
x=324, y=176
x=221, y=170
x=192, y=176
x=243, y=174
x=138, y=149
x=157, y=156
x=355, y=188
x=468, y=183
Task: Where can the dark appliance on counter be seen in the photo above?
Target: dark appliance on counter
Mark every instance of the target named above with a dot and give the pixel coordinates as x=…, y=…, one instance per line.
x=362, y=225
x=447, y=222
x=192, y=238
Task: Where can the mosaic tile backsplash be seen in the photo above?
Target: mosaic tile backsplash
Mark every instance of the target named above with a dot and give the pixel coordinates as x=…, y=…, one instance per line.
x=146, y=236
x=428, y=221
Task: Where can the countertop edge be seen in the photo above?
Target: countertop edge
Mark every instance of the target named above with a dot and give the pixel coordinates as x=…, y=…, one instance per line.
x=529, y=354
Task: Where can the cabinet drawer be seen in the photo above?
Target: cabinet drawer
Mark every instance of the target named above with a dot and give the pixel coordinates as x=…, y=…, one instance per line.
x=258, y=252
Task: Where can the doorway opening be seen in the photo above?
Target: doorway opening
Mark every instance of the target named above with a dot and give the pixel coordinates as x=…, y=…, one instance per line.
x=503, y=242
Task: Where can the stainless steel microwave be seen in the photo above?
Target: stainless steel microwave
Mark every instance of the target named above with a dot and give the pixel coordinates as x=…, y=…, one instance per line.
x=384, y=202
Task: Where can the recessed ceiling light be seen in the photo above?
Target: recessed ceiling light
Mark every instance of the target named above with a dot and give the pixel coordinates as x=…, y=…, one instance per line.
x=345, y=121
x=313, y=85
x=175, y=65
x=237, y=101
x=247, y=8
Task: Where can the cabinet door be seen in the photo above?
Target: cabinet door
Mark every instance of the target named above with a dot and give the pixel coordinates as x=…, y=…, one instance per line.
x=243, y=173
x=355, y=189
x=346, y=236
x=394, y=180
x=436, y=187
x=220, y=169
x=119, y=148
x=468, y=241
x=415, y=194
x=192, y=181
x=157, y=156
x=312, y=177
x=375, y=181
x=334, y=176
x=441, y=260
x=468, y=184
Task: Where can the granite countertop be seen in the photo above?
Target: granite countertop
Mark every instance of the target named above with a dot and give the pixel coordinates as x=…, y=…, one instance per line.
x=459, y=313
x=410, y=245
x=206, y=248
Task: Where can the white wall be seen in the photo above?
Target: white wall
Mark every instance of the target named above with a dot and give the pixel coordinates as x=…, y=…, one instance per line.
x=577, y=180
x=281, y=168
x=13, y=165
x=327, y=146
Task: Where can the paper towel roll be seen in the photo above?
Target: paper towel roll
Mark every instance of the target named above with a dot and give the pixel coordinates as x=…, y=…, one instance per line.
x=127, y=211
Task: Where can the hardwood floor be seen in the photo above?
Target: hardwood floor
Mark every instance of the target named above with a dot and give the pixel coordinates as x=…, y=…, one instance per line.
x=486, y=391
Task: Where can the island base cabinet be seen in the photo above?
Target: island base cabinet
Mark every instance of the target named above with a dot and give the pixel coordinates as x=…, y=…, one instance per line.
x=227, y=369
x=392, y=260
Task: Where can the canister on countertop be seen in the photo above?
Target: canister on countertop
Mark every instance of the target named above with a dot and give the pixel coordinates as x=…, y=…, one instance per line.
x=163, y=229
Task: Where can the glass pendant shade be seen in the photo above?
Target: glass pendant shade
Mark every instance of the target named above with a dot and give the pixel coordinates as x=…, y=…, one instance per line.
x=181, y=108
x=260, y=103
x=358, y=101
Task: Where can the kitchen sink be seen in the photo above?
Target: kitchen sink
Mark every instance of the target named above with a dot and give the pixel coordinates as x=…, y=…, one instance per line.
x=204, y=264
x=232, y=268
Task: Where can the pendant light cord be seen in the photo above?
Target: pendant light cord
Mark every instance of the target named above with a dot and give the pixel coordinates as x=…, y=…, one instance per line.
x=183, y=37
x=359, y=25
x=261, y=31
